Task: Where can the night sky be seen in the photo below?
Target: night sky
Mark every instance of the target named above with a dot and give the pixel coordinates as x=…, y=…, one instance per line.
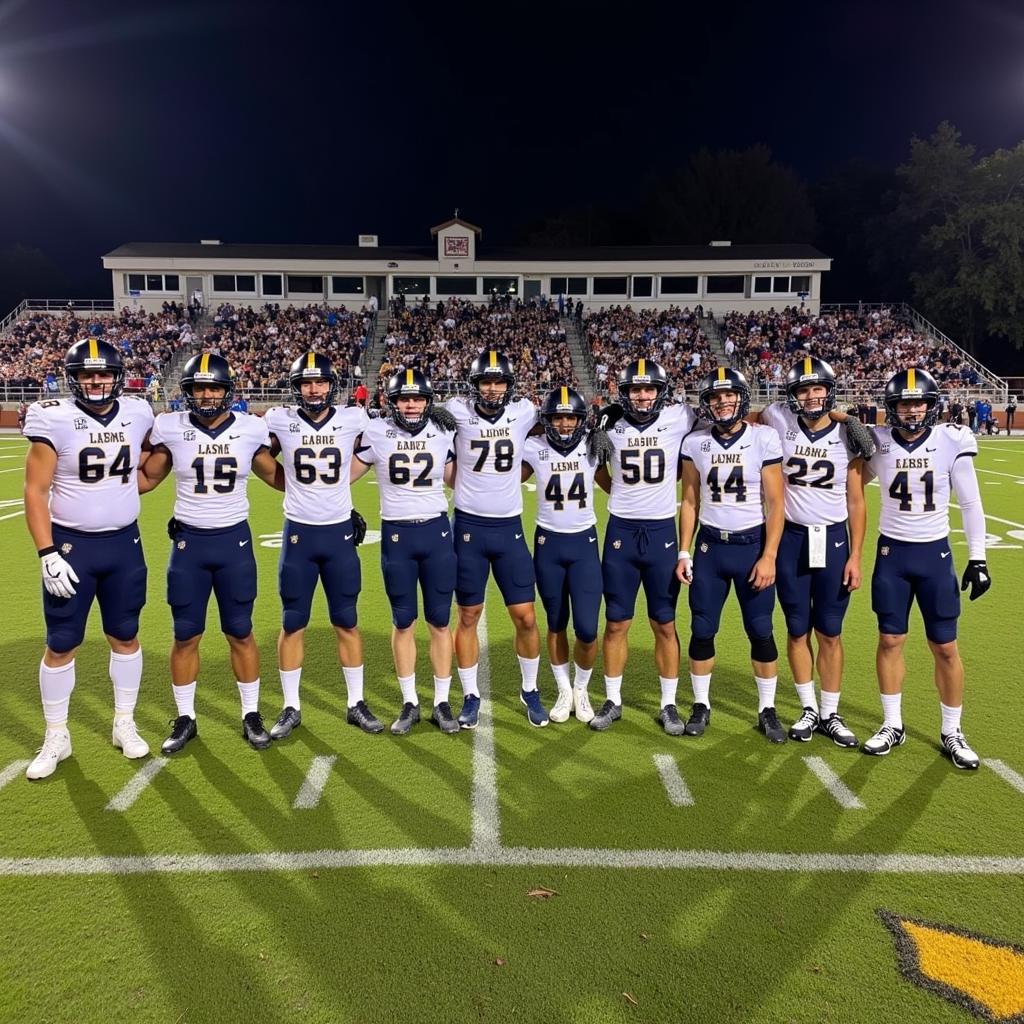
x=297, y=122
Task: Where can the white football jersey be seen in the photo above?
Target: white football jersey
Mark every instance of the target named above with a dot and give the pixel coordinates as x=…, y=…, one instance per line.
x=316, y=459
x=211, y=467
x=409, y=468
x=814, y=464
x=730, y=474
x=489, y=451
x=644, y=464
x=94, y=486
x=565, y=486
x=914, y=479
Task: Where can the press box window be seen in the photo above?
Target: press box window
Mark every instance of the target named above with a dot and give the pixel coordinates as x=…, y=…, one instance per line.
x=568, y=286
x=302, y=284
x=347, y=285
x=456, y=285
x=272, y=284
x=151, y=282
x=501, y=285
x=726, y=284
x=410, y=286
x=643, y=287
x=610, y=286
x=234, y=284
x=679, y=286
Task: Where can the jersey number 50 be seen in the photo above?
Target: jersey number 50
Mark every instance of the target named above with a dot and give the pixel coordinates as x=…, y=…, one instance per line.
x=653, y=471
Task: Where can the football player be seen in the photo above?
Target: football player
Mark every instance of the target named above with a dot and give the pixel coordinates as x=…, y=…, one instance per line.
x=491, y=431
x=918, y=465
x=316, y=438
x=819, y=560
x=732, y=484
x=565, y=550
x=81, y=507
x=211, y=451
x=414, y=457
x=640, y=542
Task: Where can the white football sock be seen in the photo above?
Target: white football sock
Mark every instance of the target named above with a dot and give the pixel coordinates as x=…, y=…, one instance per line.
x=290, y=687
x=613, y=689
x=353, y=684
x=407, y=684
x=529, y=667
x=668, y=690
x=805, y=691
x=950, y=719
x=442, y=689
x=582, y=676
x=701, y=689
x=126, y=675
x=185, y=699
x=892, y=709
x=467, y=677
x=765, y=691
x=561, y=674
x=250, y=694
x=829, y=704
x=55, y=686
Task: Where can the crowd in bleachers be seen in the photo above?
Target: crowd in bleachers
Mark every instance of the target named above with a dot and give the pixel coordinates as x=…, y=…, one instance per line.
x=444, y=340
x=865, y=347
x=672, y=337
x=32, y=352
x=261, y=344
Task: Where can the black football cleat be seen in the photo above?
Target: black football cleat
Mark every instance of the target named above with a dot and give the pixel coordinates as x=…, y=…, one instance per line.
x=362, y=716
x=700, y=716
x=407, y=718
x=290, y=718
x=959, y=752
x=768, y=723
x=253, y=731
x=670, y=720
x=610, y=712
x=444, y=719
x=183, y=729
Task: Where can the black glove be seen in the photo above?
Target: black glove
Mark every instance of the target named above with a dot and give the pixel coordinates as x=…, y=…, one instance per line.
x=442, y=418
x=976, y=577
x=860, y=439
x=358, y=527
x=172, y=528
x=609, y=415
x=599, y=448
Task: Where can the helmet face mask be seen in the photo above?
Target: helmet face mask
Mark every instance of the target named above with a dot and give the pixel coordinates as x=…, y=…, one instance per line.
x=204, y=371
x=912, y=386
x=563, y=402
x=313, y=367
x=642, y=374
x=491, y=366
x=94, y=357
x=409, y=384
x=806, y=374
x=724, y=380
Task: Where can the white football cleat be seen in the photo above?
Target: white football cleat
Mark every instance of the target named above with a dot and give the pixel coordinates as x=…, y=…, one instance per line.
x=562, y=708
x=126, y=737
x=56, y=748
x=584, y=709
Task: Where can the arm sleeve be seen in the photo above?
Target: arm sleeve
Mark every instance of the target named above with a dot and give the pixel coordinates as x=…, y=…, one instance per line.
x=965, y=484
x=363, y=450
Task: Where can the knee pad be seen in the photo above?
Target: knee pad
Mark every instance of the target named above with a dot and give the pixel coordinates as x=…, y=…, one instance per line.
x=294, y=619
x=401, y=618
x=762, y=648
x=62, y=639
x=702, y=648
x=237, y=625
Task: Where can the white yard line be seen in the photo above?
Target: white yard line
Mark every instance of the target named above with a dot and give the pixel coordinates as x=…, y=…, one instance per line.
x=11, y=515
x=16, y=469
x=1006, y=773
x=995, y=519
x=486, y=820
x=142, y=778
x=675, y=785
x=12, y=771
x=841, y=793
x=678, y=860
x=313, y=785
x=995, y=472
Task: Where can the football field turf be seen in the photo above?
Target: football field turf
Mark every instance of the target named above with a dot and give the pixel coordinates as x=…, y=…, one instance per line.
x=513, y=873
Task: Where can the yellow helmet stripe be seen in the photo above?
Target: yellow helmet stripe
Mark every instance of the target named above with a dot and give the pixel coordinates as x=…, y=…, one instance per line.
x=911, y=379
x=721, y=373
x=408, y=378
x=311, y=361
x=641, y=367
x=94, y=352
x=565, y=396
x=493, y=356
x=807, y=366
x=204, y=363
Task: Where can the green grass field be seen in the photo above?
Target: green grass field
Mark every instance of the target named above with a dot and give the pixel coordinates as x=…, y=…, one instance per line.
x=404, y=894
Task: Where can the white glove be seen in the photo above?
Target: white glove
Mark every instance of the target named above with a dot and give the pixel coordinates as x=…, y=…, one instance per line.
x=58, y=575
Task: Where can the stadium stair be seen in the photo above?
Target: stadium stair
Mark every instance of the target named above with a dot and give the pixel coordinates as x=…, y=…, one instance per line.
x=582, y=364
